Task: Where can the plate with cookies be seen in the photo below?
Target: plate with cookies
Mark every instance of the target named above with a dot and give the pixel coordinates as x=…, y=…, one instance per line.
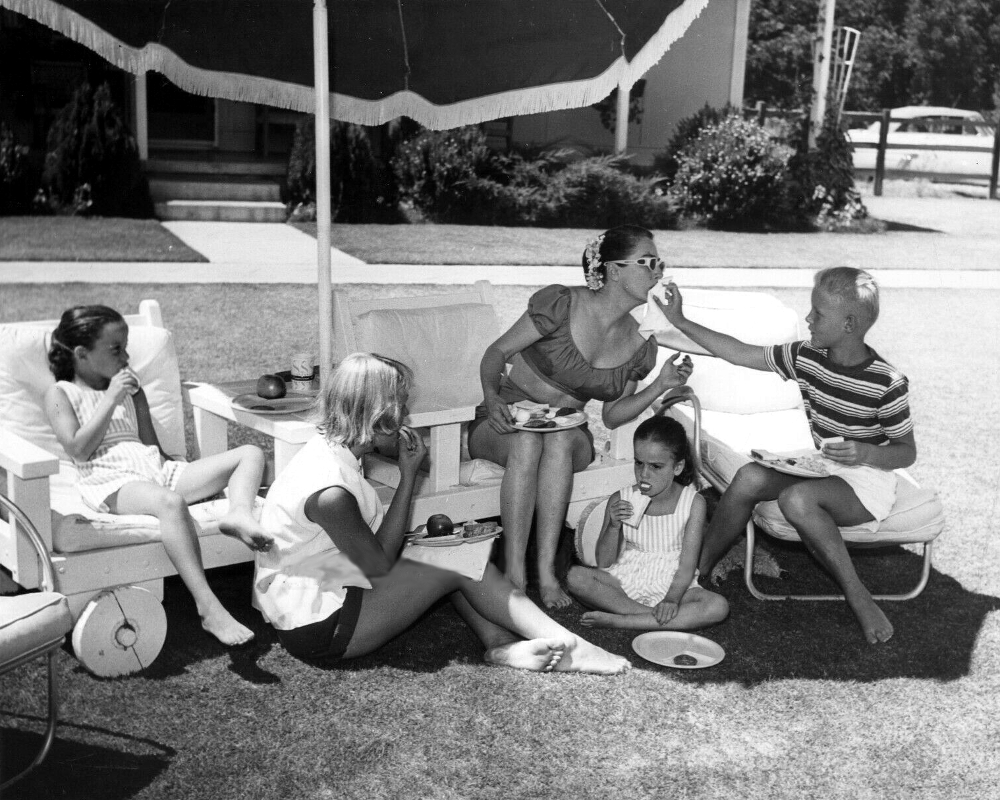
x=543, y=418
x=678, y=649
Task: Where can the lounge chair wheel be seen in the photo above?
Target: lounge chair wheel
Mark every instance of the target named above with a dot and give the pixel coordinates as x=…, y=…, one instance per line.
x=121, y=631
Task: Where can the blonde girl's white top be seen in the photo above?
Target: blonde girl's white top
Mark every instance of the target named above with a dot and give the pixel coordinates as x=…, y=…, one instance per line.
x=303, y=577
x=121, y=457
x=651, y=553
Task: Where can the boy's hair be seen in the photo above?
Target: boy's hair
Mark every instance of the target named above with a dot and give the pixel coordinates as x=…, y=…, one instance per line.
x=616, y=244
x=854, y=286
x=79, y=326
x=669, y=433
x=362, y=397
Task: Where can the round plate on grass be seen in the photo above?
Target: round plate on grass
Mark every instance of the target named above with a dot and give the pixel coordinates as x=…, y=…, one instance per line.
x=281, y=405
x=678, y=649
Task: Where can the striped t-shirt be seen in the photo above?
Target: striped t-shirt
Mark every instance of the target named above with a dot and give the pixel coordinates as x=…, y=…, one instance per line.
x=868, y=402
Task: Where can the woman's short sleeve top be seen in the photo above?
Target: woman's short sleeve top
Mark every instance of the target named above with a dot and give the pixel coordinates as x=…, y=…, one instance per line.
x=557, y=361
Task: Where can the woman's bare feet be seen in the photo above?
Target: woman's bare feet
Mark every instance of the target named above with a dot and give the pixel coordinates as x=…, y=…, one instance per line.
x=874, y=623
x=553, y=595
x=242, y=525
x=221, y=624
x=582, y=656
x=538, y=655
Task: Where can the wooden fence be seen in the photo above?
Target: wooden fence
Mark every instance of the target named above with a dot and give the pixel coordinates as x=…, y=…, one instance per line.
x=762, y=113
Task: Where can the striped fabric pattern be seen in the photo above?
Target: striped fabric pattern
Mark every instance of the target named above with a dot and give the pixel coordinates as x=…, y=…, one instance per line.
x=121, y=456
x=866, y=403
x=648, y=562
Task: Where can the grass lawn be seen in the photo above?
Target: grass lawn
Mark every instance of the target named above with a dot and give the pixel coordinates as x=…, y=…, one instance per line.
x=86, y=239
x=800, y=707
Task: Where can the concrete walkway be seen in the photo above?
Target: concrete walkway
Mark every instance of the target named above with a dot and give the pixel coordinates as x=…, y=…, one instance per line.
x=931, y=243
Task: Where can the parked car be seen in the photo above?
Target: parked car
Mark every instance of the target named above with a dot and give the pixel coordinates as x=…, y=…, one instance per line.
x=937, y=129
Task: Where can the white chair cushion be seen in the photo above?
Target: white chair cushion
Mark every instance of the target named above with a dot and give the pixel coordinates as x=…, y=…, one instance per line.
x=25, y=377
x=752, y=317
x=30, y=621
x=916, y=516
x=442, y=344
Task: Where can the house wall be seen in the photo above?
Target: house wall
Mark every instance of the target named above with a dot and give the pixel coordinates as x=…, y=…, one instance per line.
x=704, y=66
x=236, y=126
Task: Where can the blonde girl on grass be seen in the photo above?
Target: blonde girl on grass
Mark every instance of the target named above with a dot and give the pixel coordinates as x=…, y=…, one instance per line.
x=646, y=574
x=101, y=417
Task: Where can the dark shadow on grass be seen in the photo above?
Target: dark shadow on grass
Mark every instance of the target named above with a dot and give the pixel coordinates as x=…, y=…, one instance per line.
x=76, y=770
x=935, y=633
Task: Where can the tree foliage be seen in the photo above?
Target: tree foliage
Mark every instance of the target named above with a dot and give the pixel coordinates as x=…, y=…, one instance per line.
x=938, y=52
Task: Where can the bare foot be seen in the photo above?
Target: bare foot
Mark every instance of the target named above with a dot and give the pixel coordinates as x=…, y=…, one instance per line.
x=222, y=626
x=582, y=656
x=553, y=596
x=538, y=655
x=874, y=623
x=242, y=525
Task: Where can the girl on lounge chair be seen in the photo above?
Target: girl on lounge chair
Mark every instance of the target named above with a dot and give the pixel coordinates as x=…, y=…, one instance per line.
x=647, y=552
x=101, y=417
x=572, y=345
x=333, y=586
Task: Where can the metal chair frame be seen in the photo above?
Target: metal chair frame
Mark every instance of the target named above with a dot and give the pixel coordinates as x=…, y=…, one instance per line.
x=684, y=394
x=47, y=583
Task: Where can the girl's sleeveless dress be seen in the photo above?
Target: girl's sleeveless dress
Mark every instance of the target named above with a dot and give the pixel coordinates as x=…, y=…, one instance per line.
x=121, y=456
x=652, y=551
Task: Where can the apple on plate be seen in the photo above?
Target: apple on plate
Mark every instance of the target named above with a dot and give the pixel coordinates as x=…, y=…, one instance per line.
x=440, y=525
x=271, y=387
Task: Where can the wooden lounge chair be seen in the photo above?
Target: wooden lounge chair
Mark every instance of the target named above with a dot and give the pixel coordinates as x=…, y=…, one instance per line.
x=110, y=568
x=442, y=337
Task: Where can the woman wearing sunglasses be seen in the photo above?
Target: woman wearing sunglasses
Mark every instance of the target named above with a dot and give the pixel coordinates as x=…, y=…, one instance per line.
x=572, y=345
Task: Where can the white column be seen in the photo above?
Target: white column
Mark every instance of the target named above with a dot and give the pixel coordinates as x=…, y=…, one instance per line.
x=621, y=118
x=321, y=67
x=141, y=117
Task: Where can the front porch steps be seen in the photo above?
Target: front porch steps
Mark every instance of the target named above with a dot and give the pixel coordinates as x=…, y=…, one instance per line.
x=214, y=187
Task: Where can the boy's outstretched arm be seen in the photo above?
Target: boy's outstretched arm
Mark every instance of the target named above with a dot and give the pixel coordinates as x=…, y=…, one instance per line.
x=718, y=344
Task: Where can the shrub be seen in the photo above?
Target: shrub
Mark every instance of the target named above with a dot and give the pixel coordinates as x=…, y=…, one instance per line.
x=434, y=168
x=15, y=175
x=92, y=160
x=820, y=185
x=688, y=129
x=731, y=175
x=598, y=193
x=359, y=187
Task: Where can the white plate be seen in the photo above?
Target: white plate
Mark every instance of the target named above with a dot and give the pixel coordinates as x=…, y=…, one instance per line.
x=255, y=404
x=574, y=420
x=661, y=647
x=785, y=462
x=420, y=536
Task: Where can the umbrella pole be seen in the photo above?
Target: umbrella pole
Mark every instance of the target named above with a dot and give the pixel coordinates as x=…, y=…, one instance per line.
x=621, y=118
x=321, y=66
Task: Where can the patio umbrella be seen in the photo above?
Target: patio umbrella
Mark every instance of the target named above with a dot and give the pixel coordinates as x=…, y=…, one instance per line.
x=443, y=63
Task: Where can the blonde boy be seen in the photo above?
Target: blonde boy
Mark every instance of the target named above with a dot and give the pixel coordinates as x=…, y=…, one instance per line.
x=849, y=391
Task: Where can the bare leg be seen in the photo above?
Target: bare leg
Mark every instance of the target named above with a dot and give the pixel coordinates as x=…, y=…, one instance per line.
x=752, y=484
x=241, y=470
x=400, y=597
x=519, y=453
x=563, y=454
x=699, y=608
x=180, y=539
x=817, y=509
x=602, y=590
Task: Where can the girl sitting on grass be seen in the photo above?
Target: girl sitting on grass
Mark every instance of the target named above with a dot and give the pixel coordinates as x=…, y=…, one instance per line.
x=101, y=417
x=333, y=586
x=646, y=576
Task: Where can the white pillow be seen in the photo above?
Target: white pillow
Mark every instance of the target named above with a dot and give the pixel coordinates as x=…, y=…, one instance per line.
x=25, y=377
x=443, y=345
x=752, y=317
